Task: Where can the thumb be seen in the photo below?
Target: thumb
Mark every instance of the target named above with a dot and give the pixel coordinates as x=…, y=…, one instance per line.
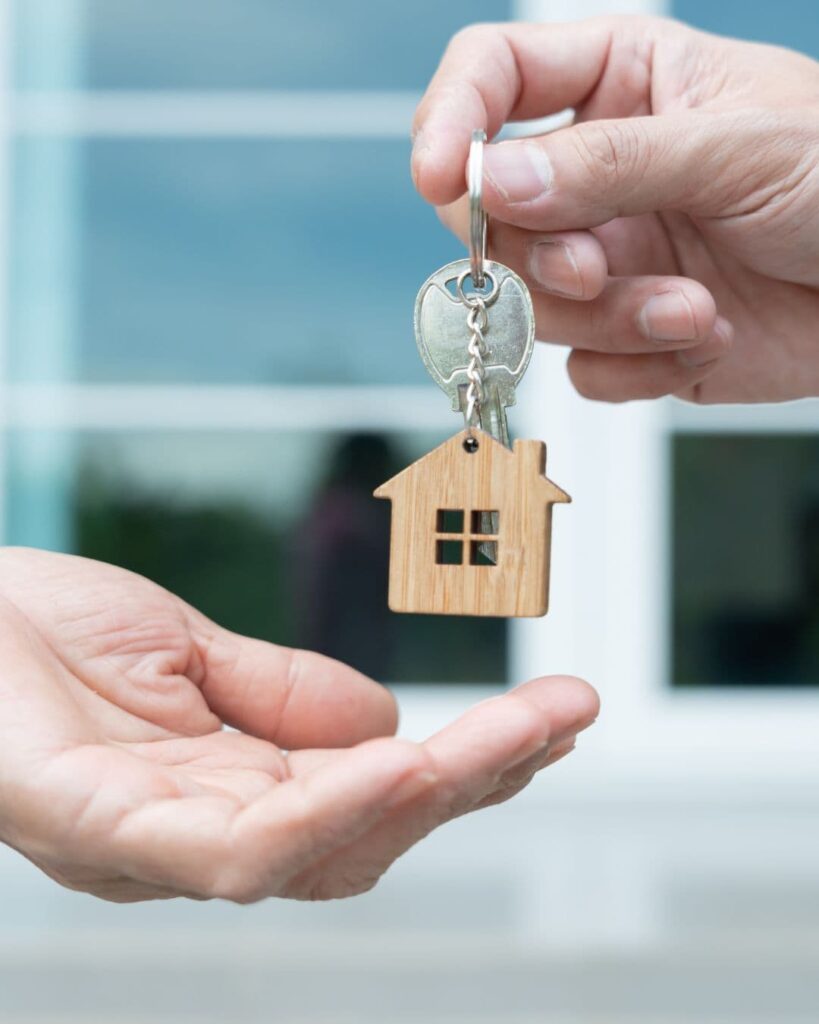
x=590, y=173
x=293, y=698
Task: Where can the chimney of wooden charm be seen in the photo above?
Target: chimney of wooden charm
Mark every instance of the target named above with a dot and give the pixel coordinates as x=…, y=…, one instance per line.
x=532, y=456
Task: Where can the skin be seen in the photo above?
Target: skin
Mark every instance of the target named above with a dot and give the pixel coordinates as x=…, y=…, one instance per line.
x=670, y=236
x=117, y=777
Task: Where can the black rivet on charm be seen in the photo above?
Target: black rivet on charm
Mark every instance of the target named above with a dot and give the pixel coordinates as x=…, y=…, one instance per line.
x=471, y=445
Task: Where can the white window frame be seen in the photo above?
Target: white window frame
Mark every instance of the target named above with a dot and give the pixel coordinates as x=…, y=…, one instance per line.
x=610, y=575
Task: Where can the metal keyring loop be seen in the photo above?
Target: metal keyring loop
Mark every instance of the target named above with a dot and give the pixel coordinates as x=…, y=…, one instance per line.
x=486, y=299
x=477, y=215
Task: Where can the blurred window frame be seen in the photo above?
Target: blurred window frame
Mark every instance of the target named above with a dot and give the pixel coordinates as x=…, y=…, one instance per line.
x=611, y=554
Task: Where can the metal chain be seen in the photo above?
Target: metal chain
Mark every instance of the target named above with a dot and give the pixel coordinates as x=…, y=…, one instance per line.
x=477, y=322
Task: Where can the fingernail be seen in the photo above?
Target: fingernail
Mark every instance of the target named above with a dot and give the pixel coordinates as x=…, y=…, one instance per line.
x=552, y=265
x=519, y=171
x=716, y=346
x=409, y=788
x=668, y=317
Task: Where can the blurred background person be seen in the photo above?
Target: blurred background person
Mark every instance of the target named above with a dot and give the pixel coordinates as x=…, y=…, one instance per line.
x=343, y=557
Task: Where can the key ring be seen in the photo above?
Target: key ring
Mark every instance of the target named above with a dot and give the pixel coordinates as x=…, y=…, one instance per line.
x=477, y=215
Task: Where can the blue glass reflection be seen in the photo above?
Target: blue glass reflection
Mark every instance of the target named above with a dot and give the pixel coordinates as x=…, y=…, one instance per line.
x=250, y=44
x=227, y=261
x=787, y=23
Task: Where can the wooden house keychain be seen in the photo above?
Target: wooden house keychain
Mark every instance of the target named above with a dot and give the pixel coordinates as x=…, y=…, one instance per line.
x=471, y=521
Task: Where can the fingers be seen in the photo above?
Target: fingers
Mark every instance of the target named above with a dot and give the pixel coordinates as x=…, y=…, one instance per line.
x=471, y=759
x=474, y=752
x=569, y=704
x=516, y=780
x=347, y=818
x=590, y=173
x=292, y=698
x=629, y=315
x=620, y=378
x=208, y=846
x=639, y=315
x=626, y=247
x=494, y=73
x=568, y=263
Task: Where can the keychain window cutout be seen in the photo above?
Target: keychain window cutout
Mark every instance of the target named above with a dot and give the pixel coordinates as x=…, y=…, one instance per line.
x=485, y=522
x=444, y=574
x=483, y=552
x=450, y=520
x=449, y=552
x=482, y=523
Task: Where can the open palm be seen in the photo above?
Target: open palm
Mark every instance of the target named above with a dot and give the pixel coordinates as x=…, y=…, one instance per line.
x=117, y=777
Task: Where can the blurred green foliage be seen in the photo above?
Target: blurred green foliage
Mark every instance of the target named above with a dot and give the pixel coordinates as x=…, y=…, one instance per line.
x=240, y=568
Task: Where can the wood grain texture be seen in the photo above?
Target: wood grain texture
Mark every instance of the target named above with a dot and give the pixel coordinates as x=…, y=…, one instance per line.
x=493, y=478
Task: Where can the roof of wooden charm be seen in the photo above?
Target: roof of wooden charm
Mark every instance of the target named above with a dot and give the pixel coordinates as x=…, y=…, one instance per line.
x=439, y=462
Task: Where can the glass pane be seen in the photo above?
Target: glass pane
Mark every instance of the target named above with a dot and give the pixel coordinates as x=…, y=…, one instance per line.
x=214, y=261
x=746, y=560
x=788, y=23
x=274, y=536
x=241, y=44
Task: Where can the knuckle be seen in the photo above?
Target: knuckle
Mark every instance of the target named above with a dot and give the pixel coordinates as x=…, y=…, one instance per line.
x=770, y=163
x=610, y=152
x=532, y=724
x=485, y=47
x=415, y=758
x=453, y=802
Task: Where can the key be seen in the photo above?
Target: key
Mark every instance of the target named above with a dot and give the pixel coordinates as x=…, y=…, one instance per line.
x=476, y=341
x=443, y=334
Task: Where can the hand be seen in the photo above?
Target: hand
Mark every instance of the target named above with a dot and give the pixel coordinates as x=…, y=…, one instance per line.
x=117, y=779
x=671, y=235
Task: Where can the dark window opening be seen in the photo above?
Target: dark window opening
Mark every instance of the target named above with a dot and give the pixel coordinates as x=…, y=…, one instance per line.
x=450, y=520
x=485, y=522
x=483, y=552
x=449, y=552
x=745, y=547
x=482, y=523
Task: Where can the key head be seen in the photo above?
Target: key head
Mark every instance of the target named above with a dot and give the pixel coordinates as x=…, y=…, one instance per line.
x=442, y=333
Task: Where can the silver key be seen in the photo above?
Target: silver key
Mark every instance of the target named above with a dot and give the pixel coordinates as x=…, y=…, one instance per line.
x=443, y=335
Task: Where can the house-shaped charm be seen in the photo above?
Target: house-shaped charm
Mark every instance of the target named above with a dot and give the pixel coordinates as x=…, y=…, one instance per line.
x=471, y=529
